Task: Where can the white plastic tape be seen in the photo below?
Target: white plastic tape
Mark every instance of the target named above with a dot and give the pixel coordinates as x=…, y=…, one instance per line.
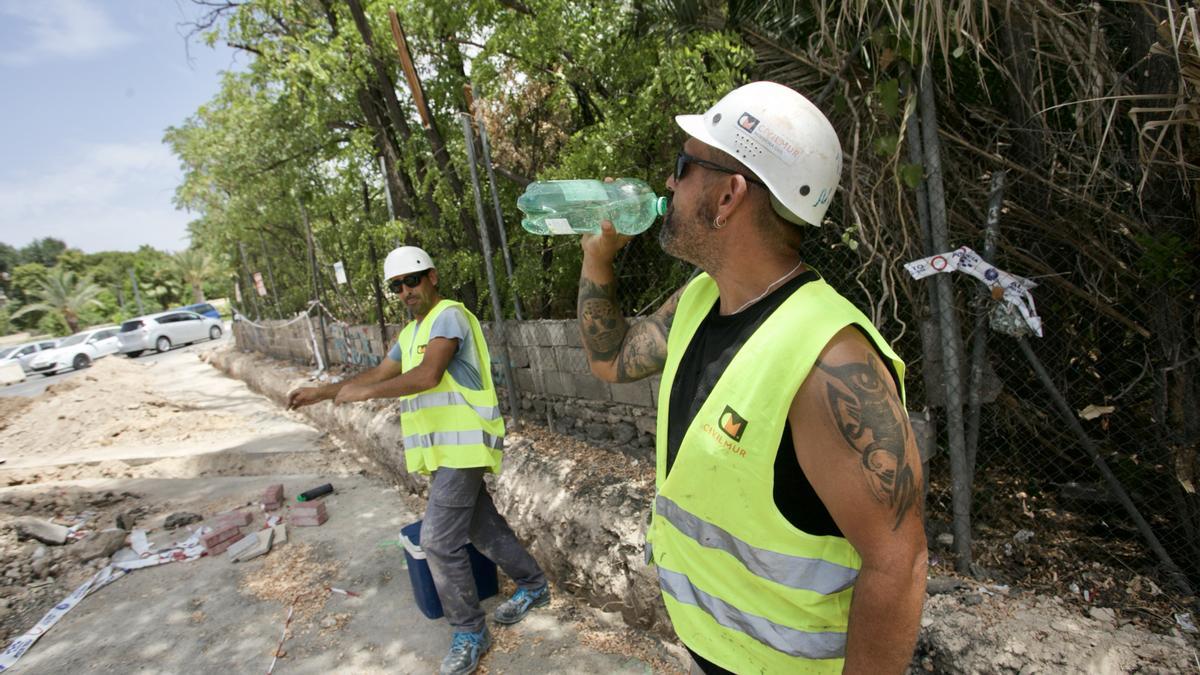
x=17, y=648
x=188, y=550
x=1016, y=289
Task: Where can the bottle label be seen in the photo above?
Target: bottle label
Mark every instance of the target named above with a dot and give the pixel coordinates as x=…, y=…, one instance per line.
x=558, y=226
x=584, y=191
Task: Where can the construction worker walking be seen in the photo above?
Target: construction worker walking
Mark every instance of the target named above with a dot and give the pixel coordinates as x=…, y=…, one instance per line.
x=787, y=527
x=440, y=371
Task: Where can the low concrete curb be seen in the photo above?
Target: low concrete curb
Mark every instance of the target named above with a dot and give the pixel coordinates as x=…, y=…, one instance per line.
x=590, y=540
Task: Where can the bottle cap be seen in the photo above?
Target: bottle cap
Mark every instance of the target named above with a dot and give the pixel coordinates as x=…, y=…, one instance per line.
x=660, y=205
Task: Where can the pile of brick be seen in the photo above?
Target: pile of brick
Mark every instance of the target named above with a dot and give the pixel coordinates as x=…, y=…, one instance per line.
x=227, y=534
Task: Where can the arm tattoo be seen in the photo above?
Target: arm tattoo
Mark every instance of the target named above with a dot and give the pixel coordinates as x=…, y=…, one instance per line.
x=639, y=350
x=600, y=321
x=873, y=422
x=645, y=350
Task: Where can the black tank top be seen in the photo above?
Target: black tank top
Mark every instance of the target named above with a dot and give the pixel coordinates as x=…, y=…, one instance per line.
x=714, y=345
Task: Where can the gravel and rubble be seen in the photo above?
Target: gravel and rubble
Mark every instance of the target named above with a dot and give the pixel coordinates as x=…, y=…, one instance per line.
x=211, y=613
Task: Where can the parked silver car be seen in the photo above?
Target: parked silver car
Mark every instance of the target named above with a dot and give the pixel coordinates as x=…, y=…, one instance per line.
x=24, y=353
x=164, y=330
x=77, y=351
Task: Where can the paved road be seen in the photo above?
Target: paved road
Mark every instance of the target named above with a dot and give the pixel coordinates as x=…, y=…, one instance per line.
x=35, y=384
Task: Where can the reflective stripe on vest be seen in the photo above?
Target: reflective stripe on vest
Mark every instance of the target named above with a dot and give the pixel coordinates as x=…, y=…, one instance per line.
x=783, y=639
x=810, y=574
x=446, y=398
x=445, y=438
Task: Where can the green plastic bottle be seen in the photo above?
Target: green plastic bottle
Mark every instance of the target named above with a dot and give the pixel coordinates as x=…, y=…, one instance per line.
x=578, y=206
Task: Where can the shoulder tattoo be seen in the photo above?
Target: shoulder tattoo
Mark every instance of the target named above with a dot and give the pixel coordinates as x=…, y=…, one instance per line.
x=873, y=422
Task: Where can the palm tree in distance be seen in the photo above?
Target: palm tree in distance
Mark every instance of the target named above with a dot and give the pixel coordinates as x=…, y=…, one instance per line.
x=195, y=266
x=64, y=294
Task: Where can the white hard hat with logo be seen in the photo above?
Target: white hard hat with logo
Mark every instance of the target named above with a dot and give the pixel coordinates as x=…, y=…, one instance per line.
x=405, y=260
x=783, y=138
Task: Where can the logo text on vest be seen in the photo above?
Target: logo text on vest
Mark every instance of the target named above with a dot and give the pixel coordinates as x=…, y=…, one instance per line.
x=733, y=424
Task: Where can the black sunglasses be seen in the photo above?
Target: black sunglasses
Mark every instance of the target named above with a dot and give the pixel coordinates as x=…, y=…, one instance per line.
x=411, y=280
x=683, y=159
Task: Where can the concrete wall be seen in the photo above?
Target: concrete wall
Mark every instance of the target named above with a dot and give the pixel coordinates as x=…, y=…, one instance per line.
x=549, y=365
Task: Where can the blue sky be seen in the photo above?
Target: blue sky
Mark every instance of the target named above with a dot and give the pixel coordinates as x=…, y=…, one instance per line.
x=87, y=88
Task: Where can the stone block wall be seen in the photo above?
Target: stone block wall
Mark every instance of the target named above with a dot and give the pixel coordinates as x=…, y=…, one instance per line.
x=549, y=365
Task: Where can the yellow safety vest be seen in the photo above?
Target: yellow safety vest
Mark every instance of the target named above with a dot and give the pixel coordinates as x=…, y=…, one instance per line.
x=449, y=425
x=744, y=588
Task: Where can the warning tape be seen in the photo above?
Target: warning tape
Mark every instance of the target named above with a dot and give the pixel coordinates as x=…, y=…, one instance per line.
x=188, y=550
x=1015, y=288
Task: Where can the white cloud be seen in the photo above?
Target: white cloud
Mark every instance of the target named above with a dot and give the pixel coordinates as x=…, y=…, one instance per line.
x=108, y=196
x=58, y=29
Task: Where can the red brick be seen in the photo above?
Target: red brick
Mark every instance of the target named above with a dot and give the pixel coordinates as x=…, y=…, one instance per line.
x=270, y=506
x=308, y=508
x=299, y=520
x=220, y=548
x=238, y=518
x=220, y=535
x=273, y=495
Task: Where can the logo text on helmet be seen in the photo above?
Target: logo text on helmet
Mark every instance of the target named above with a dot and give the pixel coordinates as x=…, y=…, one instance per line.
x=769, y=139
x=748, y=122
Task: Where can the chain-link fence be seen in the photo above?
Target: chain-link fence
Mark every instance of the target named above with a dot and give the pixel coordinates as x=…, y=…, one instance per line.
x=1094, y=502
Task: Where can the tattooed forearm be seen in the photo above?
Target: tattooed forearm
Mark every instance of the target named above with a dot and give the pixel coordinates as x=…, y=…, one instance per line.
x=600, y=322
x=871, y=418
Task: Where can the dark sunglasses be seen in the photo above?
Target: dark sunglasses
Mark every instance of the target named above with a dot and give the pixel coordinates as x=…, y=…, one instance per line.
x=411, y=280
x=683, y=159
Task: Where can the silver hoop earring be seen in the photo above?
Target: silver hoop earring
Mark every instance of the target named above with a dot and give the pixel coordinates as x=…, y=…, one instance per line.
x=717, y=224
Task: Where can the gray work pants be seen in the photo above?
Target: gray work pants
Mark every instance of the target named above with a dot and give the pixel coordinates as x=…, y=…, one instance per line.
x=460, y=510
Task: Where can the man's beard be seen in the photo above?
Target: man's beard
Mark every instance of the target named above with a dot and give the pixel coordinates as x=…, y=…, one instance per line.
x=686, y=239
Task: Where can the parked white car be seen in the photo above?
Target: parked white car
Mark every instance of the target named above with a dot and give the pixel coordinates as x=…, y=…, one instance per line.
x=77, y=351
x=23, y=353
x=164, y=330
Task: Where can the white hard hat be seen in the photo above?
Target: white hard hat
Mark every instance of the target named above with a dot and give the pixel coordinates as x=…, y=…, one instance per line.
x=780, y=136
x=405, y=260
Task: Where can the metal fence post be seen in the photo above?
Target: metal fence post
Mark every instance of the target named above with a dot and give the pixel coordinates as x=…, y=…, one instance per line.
x=497, y=313
x=487, y=164
x=316, y=280
x=948, y=323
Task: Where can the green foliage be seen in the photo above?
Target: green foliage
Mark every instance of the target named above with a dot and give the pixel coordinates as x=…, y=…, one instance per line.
x=911, y=174
x=1167, y=259
x=62, y=294
x=566, y=90
x=44, y=251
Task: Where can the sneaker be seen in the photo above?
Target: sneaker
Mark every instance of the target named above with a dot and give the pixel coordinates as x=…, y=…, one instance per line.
x=515, y=608
x=465, y=651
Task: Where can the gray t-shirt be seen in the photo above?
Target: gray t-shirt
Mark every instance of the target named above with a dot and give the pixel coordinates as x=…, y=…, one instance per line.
x=453, y=324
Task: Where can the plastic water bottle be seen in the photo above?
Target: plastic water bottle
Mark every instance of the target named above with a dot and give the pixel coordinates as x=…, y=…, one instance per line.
x=578, y=206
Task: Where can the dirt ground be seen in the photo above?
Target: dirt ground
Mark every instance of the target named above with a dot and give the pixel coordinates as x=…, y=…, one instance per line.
x=139, y=442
